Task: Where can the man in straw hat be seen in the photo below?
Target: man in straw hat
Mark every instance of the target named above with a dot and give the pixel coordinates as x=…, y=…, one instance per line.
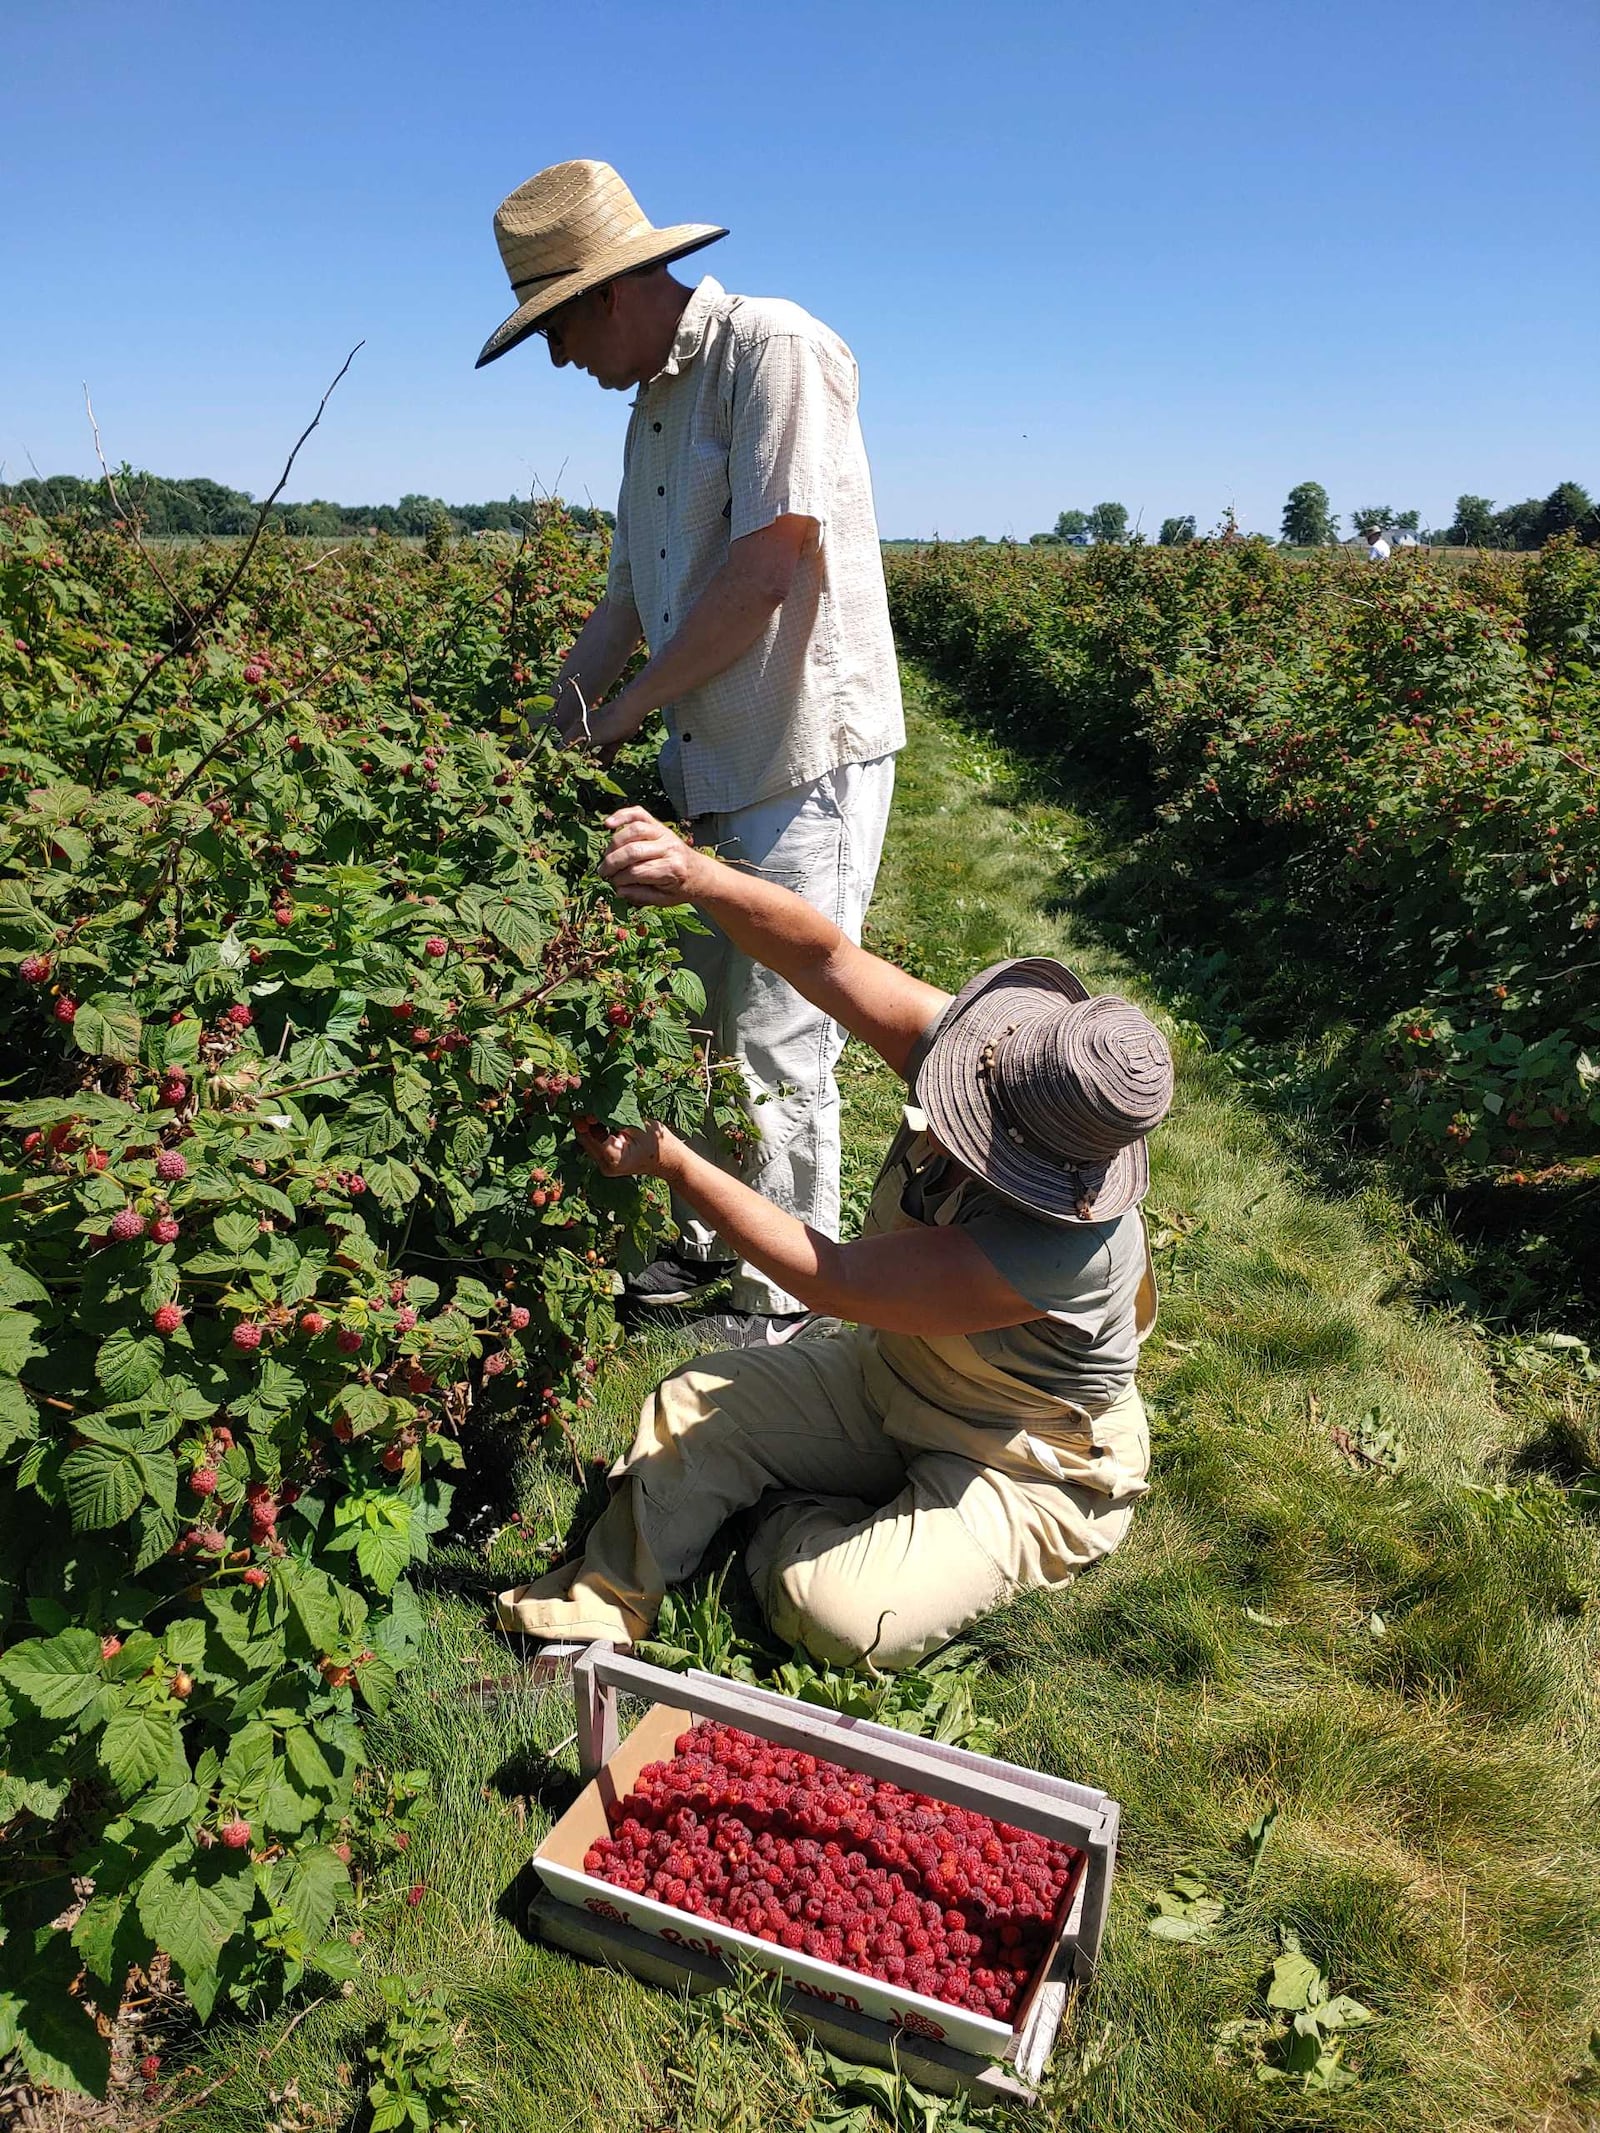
x=746, y=557
x=978, y=1433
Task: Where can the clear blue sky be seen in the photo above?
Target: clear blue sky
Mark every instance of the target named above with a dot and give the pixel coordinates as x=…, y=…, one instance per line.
x=1172, y=254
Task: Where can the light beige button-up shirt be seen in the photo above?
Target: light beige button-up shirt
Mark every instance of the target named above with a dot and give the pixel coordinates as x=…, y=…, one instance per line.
x=753, y=419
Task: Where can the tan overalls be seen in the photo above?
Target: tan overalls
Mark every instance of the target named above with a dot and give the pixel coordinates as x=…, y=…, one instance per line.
x=922, y=1484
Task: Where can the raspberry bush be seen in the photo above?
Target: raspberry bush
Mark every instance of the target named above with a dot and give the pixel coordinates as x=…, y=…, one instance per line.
x=305, y=975
x=1396, y=773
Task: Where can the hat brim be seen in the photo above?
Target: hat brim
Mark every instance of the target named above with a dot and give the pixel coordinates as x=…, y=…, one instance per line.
x=954, y=1099
x=652, y=248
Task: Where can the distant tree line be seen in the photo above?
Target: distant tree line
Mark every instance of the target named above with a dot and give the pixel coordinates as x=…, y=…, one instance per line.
x=200, y=507
x=1310, y=522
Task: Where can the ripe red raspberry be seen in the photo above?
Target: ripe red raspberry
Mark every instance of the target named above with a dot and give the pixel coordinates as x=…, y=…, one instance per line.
x=235, y=1834
x=415, y=1893
x=171, y=1165
x=32, y=1143
x=34, y=969
x=312, y=1323
x=405, y=1318
x=494, y=1365
x=519, y=1315
x=95, y=1159
x=174, y=1089
x=349, y=1340
x=263, y=1516
x=204, y=1481
x=166, y=1229
x=255, y=673
x=240, y=1016
x=255, y=1576
x=65, y=1009
x=166, y=1319
x=283, y=914
x=355, y=1184
x=126, y=1225
x=247, y=1335
x=435, y=945
x=405, y=1010
x=150, y=2065
x=619, y=1015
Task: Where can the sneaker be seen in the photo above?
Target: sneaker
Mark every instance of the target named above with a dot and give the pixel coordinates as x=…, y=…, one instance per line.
x=669, y=1281
x=760, y=1329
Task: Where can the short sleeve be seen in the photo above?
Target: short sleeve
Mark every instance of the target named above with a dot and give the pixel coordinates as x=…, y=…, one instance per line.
x=619, y=576
x=793, y=403
x=1058, y=1267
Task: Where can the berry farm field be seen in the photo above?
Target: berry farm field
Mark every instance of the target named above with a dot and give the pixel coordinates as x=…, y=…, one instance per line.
x=307, y=1341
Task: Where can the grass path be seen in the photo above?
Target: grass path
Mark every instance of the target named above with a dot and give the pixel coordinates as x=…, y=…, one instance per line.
x=1402, y=1666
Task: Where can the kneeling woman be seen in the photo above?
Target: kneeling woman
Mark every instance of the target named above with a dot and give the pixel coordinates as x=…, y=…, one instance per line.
x=978, y=1433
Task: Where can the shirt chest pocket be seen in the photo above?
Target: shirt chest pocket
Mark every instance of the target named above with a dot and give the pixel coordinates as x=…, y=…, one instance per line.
x=709, y=490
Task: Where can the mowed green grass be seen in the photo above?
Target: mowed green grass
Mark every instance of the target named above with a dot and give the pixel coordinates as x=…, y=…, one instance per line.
x=1405, y=1668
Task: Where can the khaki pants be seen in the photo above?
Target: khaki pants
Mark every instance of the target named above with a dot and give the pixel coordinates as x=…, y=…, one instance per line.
x=872, y=1544
x=822, y=840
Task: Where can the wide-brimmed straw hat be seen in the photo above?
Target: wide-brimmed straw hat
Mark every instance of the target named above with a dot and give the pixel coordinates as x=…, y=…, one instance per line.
x=1047, y=1091
x=568, y=229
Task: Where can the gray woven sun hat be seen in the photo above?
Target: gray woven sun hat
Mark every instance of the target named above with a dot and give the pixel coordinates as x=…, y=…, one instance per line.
x=1046, y=1091
x=568, y=229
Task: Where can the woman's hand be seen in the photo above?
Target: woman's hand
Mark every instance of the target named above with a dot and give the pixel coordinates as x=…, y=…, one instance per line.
x=627, y=1151
x=646, y=862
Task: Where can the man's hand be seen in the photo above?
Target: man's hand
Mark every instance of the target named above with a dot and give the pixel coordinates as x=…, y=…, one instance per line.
x=647, y=863
x=626, y=1151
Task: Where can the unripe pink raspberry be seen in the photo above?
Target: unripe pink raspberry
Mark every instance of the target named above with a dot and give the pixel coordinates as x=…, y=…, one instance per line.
x=247, y=1334
x=34, y=969
x=255, y=673
x=284, y=914
x=255, y=1577
x=166, y=1319
x=519, y=1315
x=436, y=945
x=235, y=1834
x=171, y=1165
x=109, y=1647
x=405, y=1318
x=166, y=1229
x=65, y=1010
x=204, y=1481
x=312, y=1323
x=349, y=1340
x=126, y=1225
x=211, y=1539
x=147, y=799
x=355, y=1184
x=494, y=1364
x=263, y=1516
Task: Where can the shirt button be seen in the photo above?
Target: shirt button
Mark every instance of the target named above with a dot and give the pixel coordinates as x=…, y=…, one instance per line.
x=665, y=616
x=656, y=427
x=663, y=555
x=688, y=736
x=661, y=492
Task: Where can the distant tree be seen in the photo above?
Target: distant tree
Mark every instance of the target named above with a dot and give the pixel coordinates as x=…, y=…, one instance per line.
x=1407, y=521
x=1307, y=521
x=1379, y=515
x=1567, y=506
x=1073, y=526
x=1044, y=540
x=1517, y=525
x=1109, y=522
x=1473, y=524
x=1176, y=532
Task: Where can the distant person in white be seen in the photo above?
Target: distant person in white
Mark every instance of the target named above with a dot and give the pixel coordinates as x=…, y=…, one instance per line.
x=1377, y=546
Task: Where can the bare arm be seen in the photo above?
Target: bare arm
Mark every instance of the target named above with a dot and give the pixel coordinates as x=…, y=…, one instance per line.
x=727, y=619
x=915, y=1281
x=604, y=646
x=885, y=1006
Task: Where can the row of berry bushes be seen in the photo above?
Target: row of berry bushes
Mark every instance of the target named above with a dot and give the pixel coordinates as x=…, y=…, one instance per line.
x=304, y=977
x=1397, y=768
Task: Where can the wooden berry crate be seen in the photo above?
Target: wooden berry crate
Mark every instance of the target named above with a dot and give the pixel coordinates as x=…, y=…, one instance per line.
x=942, y=2047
